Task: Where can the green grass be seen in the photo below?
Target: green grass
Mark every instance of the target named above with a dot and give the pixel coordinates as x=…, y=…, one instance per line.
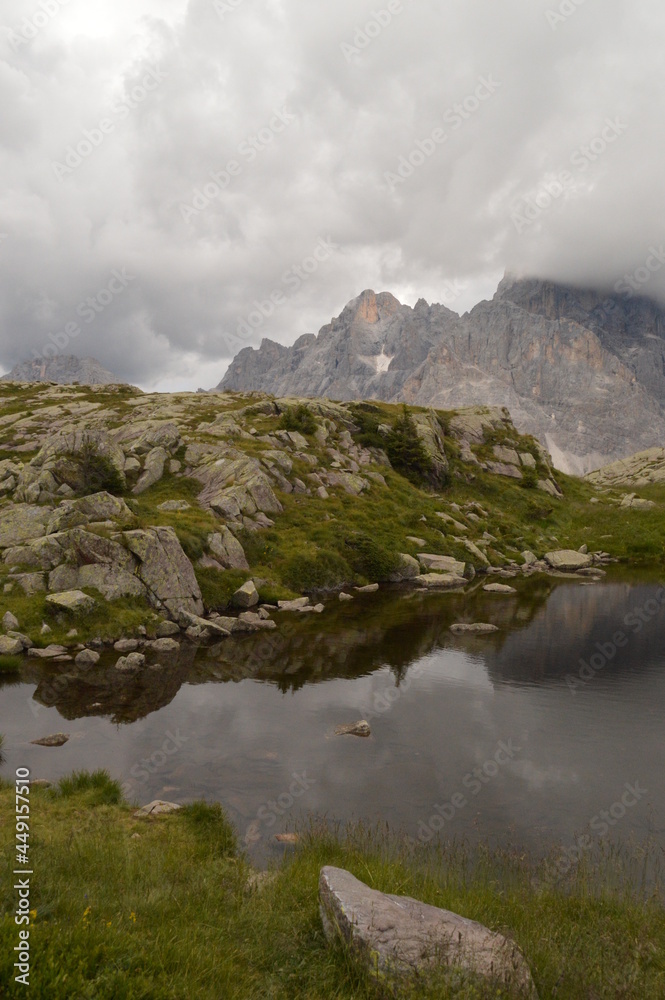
x=107, y=620
x=10, y=664
x=167, y=914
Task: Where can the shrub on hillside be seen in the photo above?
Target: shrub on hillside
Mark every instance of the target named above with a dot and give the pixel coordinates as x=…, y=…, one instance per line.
x=89, y=471
x=324, y=571
x=298, y=418
x=368, y=558
x=406, y=451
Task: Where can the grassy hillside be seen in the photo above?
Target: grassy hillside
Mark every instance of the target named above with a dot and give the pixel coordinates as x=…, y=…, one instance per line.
x=131, y=909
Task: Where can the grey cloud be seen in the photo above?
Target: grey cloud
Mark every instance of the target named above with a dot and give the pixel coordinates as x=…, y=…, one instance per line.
x=198, y=274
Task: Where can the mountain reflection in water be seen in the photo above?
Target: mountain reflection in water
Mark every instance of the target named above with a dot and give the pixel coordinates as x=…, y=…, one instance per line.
x=251, y=715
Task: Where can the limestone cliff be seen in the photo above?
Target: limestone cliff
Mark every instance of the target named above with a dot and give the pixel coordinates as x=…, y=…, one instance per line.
x=581, y=370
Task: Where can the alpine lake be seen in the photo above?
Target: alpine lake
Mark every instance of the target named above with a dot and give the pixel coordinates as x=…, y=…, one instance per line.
x=541, y=733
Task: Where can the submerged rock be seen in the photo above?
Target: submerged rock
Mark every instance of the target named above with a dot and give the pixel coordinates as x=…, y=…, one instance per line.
x=57, y=740
x=361, y=728
x=480, y=628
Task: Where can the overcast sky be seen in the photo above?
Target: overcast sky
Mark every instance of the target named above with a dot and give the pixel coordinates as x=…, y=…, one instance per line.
x=418, y=147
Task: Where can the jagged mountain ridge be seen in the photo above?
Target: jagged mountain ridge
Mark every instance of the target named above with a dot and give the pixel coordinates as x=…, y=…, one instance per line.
x=581, y=370
x=64, y=369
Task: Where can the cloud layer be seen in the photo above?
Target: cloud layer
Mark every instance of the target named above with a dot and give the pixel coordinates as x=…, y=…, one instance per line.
x=248, y=168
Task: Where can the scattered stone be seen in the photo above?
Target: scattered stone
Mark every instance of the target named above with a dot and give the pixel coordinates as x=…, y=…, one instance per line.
x=165, y=645
x=126, y=645
x=153, y=470
x=508, y=455
x=399, y=935
x=371, y=588
x=166, y=630
x=297, y=605
x=27, y=642
x=130, y=664
x=443, y=564
x=174, y=505
x=226, y=548
x=156, y=808
x=499, y=588
x=568, y=559
x=583, y=549
x=31, y=583
x=9, y=646
x=361, y=728
x=246, y=596
x=477, y=629
x=287, y=838
x=9, y=621
x=408, y=569
x=345, y=597
x=416, y=541
x=548, y=486
x=440, y=581
x=220, y=627
x=57, y=740
x=86, y=658
x=45, y=629
x=529, y=558
x=49, y=653
x=72, y=601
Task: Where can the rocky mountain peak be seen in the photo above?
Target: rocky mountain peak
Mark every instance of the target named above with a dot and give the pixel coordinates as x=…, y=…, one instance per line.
x=63, y=369
x=563, y=360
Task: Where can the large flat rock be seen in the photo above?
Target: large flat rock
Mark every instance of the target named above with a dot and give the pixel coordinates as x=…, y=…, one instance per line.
x=568, y=559
x=399, y=935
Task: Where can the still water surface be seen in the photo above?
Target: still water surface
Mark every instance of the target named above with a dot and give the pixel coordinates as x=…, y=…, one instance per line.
x=251, y=723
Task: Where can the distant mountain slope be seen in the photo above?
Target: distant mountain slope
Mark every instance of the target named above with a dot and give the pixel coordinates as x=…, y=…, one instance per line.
x=583, y=372
x=63, y=369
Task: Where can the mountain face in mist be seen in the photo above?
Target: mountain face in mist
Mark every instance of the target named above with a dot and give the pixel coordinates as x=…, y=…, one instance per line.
x=581, y=370
x=64, y=369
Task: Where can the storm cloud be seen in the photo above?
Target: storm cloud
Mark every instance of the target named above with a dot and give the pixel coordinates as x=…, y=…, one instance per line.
x=181, y=179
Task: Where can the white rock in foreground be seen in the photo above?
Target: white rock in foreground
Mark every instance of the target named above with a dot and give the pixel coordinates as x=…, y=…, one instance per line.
x=397, y=934
x=157, y=808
